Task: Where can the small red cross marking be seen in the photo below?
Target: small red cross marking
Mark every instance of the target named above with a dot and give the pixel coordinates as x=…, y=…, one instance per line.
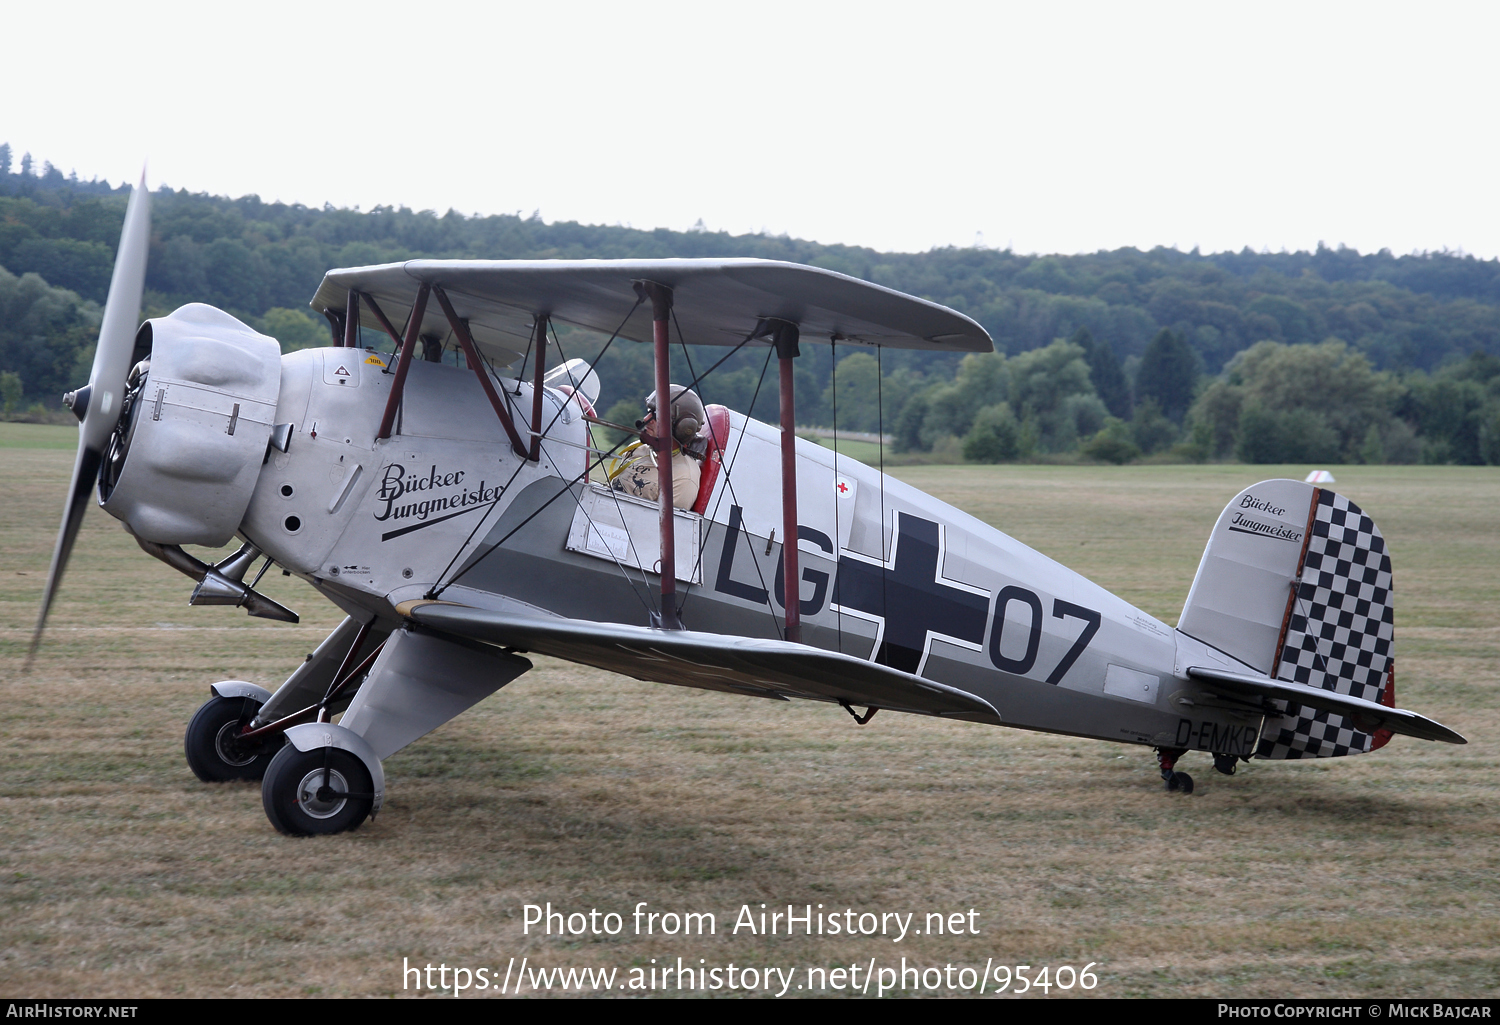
x=843, y=487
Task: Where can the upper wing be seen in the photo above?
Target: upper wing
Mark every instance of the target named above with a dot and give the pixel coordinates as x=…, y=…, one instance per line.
x=1367, y=715
x=743, y=665
x=716, y=301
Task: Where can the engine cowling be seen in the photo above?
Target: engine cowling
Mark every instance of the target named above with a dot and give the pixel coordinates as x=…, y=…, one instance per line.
x=199, y=409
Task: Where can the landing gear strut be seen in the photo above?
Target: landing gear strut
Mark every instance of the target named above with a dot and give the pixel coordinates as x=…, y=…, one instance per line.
x=1176, y=782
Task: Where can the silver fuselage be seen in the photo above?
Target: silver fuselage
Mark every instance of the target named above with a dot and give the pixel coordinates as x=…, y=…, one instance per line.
x=887, y=571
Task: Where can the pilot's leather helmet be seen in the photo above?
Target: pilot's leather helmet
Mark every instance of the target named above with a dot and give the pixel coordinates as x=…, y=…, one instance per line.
x=688, y=416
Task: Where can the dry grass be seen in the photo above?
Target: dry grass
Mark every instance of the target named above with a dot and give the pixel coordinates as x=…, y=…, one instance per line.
x=121, y=875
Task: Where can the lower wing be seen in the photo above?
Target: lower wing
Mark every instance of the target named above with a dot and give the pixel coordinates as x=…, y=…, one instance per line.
x=741, y=665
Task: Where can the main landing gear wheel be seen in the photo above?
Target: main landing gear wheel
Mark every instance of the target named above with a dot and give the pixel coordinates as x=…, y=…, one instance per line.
x=213, y=751
x=313, y=793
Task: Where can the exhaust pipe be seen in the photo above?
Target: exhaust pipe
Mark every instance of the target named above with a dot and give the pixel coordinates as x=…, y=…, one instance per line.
x=221, y=584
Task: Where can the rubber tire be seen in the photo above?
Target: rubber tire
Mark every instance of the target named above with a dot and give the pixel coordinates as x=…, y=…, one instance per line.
x=1171, y=782
x=278, y=791
x=1184, y=783
x=203, y=754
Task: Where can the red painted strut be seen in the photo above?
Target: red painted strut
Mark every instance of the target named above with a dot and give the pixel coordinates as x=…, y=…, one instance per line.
x=661, y=312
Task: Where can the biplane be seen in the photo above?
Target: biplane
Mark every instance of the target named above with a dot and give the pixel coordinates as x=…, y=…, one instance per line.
x=458, y=516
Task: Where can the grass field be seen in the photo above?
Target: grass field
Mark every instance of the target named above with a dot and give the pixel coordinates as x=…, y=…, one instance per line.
x=865, y=451
x=122, y=875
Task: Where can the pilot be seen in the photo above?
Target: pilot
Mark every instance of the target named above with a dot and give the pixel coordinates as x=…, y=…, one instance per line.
x=638, y=475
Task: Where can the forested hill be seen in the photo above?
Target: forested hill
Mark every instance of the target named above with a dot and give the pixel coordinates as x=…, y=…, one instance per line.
x=248, y=257
x=263, y=261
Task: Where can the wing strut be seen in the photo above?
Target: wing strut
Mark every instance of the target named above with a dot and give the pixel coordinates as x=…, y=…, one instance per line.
x=661, y=313
x=351, y=321
x=784, y=335
x=390, y=329
x=471, y=356
x=536, y=388
x=403, y=362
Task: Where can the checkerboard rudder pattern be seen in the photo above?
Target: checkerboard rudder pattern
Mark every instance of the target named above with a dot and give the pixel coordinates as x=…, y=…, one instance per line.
x=1340, y=634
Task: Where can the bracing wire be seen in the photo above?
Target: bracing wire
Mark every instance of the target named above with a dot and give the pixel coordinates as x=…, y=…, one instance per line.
x=438, y=589
x=833, y=370
x=579, y=502
x=735, y=498
x=530, y=341
x=688, y=357
x=726, y=468
x=537, y=512
x=693, y=384
x=651, y=606
x=880, y=442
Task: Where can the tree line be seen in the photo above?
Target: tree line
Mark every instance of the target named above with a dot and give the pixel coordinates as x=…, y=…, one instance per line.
x=1272, y=403
x=1123, y=354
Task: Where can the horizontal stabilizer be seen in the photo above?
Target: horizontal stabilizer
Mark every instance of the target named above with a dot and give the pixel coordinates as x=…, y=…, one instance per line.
x=743, y=665
x=1366, y=715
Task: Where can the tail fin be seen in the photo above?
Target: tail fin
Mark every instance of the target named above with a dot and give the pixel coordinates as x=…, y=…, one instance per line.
x=1296, y=583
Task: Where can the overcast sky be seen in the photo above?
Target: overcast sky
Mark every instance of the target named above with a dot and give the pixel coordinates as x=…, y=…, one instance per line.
x=1048, y=127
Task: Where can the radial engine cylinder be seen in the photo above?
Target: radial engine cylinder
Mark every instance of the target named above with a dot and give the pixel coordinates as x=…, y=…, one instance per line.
x=198, y=414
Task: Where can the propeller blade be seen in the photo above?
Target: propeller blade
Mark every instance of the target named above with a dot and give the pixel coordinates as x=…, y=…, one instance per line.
x=99, y=405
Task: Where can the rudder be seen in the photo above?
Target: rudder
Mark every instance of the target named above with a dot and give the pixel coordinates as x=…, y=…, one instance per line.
x=1320, y=583
x=1340, y=634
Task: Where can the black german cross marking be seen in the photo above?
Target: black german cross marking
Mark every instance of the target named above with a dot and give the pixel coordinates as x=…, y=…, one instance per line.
x=911, y=596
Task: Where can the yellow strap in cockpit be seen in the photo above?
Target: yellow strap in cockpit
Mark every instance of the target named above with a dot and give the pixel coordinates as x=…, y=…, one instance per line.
x=615, y=465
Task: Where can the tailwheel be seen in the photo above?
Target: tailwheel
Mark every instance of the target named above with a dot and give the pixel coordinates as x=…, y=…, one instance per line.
x=214, y=752
x=313, y=793
x=1181, y=783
